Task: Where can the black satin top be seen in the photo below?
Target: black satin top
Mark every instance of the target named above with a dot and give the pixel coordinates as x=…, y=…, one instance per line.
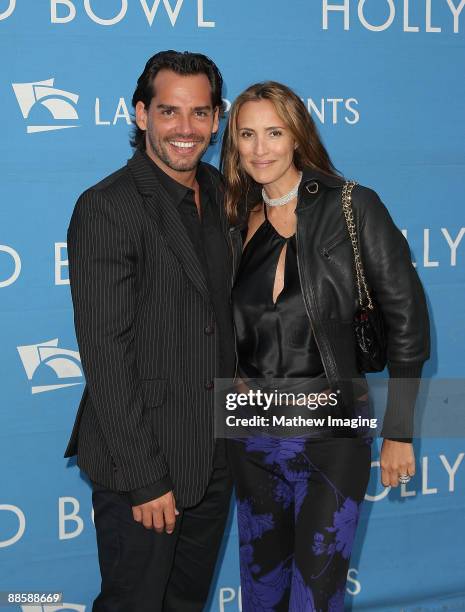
x=274, y=340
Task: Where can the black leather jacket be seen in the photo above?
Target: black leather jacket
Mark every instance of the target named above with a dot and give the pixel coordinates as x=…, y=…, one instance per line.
x=327, y=277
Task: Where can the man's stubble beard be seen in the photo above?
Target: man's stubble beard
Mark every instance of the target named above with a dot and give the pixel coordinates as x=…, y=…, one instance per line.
x=160, y=150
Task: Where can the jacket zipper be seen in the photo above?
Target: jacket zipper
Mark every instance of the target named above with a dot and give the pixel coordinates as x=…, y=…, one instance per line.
x=307, y=308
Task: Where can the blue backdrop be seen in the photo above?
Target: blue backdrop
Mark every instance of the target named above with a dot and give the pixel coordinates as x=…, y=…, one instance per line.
x=383, y=79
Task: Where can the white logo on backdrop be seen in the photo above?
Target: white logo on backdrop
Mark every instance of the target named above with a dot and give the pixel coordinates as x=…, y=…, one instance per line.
x=333, y=110
x=17, y=265
x=9, y=10
x=64, y=11
x=70, y=523
x=65, y=363
x=43, y=93
x=21, y=524
x=344, y=9
x=65, y=607
x=117, y=111
x=230, y=595
x=56, y=101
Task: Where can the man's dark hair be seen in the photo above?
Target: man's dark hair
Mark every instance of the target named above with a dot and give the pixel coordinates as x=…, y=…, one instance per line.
x=183, y=63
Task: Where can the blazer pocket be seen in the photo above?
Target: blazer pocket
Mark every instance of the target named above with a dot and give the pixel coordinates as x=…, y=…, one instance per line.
x=154, y=391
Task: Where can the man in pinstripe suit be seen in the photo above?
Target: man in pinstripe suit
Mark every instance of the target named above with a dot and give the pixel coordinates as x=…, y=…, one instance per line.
x=150, y=275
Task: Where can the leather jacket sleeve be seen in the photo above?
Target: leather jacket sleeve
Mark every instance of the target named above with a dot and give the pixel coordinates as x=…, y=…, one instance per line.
x=398, y=291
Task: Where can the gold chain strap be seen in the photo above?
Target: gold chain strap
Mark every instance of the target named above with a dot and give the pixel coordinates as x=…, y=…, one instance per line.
x=349, y=216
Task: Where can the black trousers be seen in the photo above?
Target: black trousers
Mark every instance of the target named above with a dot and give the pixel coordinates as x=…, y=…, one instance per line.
x=144, y=571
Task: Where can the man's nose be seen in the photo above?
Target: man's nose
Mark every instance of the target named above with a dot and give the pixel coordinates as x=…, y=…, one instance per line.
x=185, y=124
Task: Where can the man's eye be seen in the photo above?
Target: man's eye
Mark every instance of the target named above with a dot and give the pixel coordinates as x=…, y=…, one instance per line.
x=201, y=113
x=168, y=112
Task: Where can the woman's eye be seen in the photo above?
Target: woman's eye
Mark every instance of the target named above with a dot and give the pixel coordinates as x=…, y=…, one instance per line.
x=246, y=134
x=276, y=133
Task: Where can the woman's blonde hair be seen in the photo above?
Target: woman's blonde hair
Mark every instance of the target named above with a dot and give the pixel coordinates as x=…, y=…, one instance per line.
x=242, y=192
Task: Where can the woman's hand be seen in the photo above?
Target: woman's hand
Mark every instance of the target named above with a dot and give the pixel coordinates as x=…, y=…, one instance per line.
x=396, y=458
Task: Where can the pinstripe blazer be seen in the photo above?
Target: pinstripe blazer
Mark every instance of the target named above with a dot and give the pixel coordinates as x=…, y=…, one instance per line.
x=142, y=315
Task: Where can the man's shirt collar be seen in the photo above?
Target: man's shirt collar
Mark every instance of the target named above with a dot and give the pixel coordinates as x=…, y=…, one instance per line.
x=176, y=191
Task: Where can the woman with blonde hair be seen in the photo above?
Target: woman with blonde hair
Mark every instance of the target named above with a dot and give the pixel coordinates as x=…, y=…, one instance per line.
x=324, y=291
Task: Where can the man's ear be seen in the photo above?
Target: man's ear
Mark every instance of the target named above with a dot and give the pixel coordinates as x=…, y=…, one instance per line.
x=141, y=115
x=216, y=120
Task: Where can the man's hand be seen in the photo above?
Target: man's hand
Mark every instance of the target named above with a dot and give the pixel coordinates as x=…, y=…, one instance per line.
x=159, y=514
x=396, y=458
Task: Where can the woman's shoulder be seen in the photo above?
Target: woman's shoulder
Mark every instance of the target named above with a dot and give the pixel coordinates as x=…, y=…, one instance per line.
x=365, y=193
x=366, y=200
x=370, y=208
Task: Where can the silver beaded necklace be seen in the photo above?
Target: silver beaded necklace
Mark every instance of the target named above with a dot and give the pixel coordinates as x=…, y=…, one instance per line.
x=283, y=199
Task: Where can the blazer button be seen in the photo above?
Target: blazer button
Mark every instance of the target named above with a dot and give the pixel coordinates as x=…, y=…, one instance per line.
x=209, y=385
x=209, y=330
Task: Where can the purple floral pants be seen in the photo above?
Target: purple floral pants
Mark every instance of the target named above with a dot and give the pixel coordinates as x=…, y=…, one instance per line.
x=298, y=504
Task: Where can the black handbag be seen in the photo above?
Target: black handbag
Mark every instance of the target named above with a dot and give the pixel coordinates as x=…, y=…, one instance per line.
x=369, y=329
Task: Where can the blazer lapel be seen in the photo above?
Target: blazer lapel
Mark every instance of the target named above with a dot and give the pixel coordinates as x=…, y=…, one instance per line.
x=166, y=216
